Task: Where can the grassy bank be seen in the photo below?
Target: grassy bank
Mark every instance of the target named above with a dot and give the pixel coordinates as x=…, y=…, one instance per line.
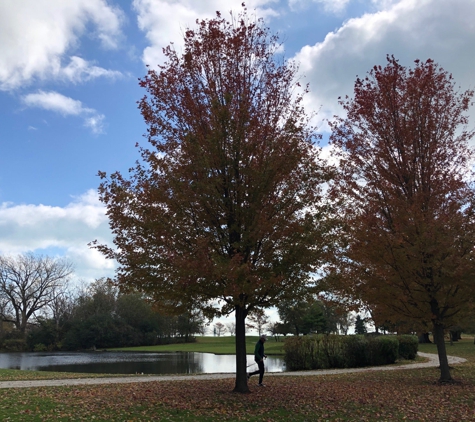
x=409, y=395
x=216, y=345
x=19, y=375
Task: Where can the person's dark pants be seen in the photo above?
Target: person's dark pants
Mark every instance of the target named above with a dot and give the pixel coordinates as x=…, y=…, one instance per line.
x=260, y=371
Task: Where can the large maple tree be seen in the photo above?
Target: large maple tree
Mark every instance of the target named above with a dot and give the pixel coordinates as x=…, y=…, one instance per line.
x=223, y=211
x=406, y=196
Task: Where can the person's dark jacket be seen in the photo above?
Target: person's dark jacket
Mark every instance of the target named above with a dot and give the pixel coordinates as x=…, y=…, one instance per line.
x=259, y=351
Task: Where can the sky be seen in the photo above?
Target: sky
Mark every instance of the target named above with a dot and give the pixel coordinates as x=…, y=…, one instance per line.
x=69, y=75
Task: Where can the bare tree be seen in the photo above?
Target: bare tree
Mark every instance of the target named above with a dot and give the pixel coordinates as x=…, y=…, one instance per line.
x=3, y=311
x=258, y=320
x=220, y=328
x=231, y=328
x=61, y=305
x=27, y=285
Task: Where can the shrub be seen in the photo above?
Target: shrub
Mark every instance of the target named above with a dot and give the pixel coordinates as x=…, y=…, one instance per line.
x=305, y=353
x=44, y=333
x=408, y=346
x=296, y=354
x=383, y=350
x=14, y=345
x=332, y=351
x=317, y=352
x=40, y=347
x=336, y=351
x=356, y=351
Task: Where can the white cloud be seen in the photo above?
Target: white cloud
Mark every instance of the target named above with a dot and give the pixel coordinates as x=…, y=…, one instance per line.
x=36, y=228
x=164, y=21
x=36, y=34
x=56, y=102
x=331, y=6
x=409, y=29
x=79, y=70
x=95, y=123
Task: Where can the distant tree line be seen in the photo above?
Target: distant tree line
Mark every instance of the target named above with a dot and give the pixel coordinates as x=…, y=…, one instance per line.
x=308, y=315
x=40, y=312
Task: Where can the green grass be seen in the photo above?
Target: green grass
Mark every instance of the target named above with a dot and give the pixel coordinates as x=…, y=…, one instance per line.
x=22, y=375
x=216, y=345
x=464, y=349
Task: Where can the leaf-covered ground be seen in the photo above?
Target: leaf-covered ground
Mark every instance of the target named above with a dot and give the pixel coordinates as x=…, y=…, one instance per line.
x=410, y=395
x=372, y=396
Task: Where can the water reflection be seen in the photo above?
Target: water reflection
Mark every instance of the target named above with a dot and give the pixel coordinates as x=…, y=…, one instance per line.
x=131, y=363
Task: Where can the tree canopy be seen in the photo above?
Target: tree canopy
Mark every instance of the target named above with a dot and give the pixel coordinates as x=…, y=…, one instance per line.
x=223, y=211
x=305, y=315
x=405, y=191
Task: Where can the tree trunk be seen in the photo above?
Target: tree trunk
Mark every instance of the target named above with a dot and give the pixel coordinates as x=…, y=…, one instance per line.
x=241, y=359
x=24, y=321
x=442, y=352
x=424, y=338
x=455, y=335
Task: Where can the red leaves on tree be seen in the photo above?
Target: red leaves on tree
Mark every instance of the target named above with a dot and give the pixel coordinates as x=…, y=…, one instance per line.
x=224, y=204
x=406, y=195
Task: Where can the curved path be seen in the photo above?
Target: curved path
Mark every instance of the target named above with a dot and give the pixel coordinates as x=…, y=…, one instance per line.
x=433, y=361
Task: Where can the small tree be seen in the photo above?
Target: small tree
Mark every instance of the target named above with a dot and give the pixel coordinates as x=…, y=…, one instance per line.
x=279, y=329
x=224, y=211
x=28, y=284
x=291, y=313
x=190, y=323
x=314, y=319
x=360, y=326
x=345, y=322
x=220, y=328
x=231, y=328
x=407, y=199
x=303, y=315
x=258, y=320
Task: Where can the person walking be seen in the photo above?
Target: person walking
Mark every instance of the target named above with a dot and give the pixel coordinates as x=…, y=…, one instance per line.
x=259, y=358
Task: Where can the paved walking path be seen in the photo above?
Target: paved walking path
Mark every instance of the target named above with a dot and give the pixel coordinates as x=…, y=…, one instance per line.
x=433, y=361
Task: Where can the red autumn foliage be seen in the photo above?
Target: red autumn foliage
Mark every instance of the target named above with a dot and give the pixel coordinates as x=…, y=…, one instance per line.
x=222, y=212
x=406, y=196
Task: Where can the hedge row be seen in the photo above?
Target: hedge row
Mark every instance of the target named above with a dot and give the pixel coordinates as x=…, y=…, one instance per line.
x=332, y=351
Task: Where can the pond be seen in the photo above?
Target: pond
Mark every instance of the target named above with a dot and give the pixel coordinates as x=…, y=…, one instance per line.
x=132, y=362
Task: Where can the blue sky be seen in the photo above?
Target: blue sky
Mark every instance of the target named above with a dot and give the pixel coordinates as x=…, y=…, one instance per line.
x=68, y=91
